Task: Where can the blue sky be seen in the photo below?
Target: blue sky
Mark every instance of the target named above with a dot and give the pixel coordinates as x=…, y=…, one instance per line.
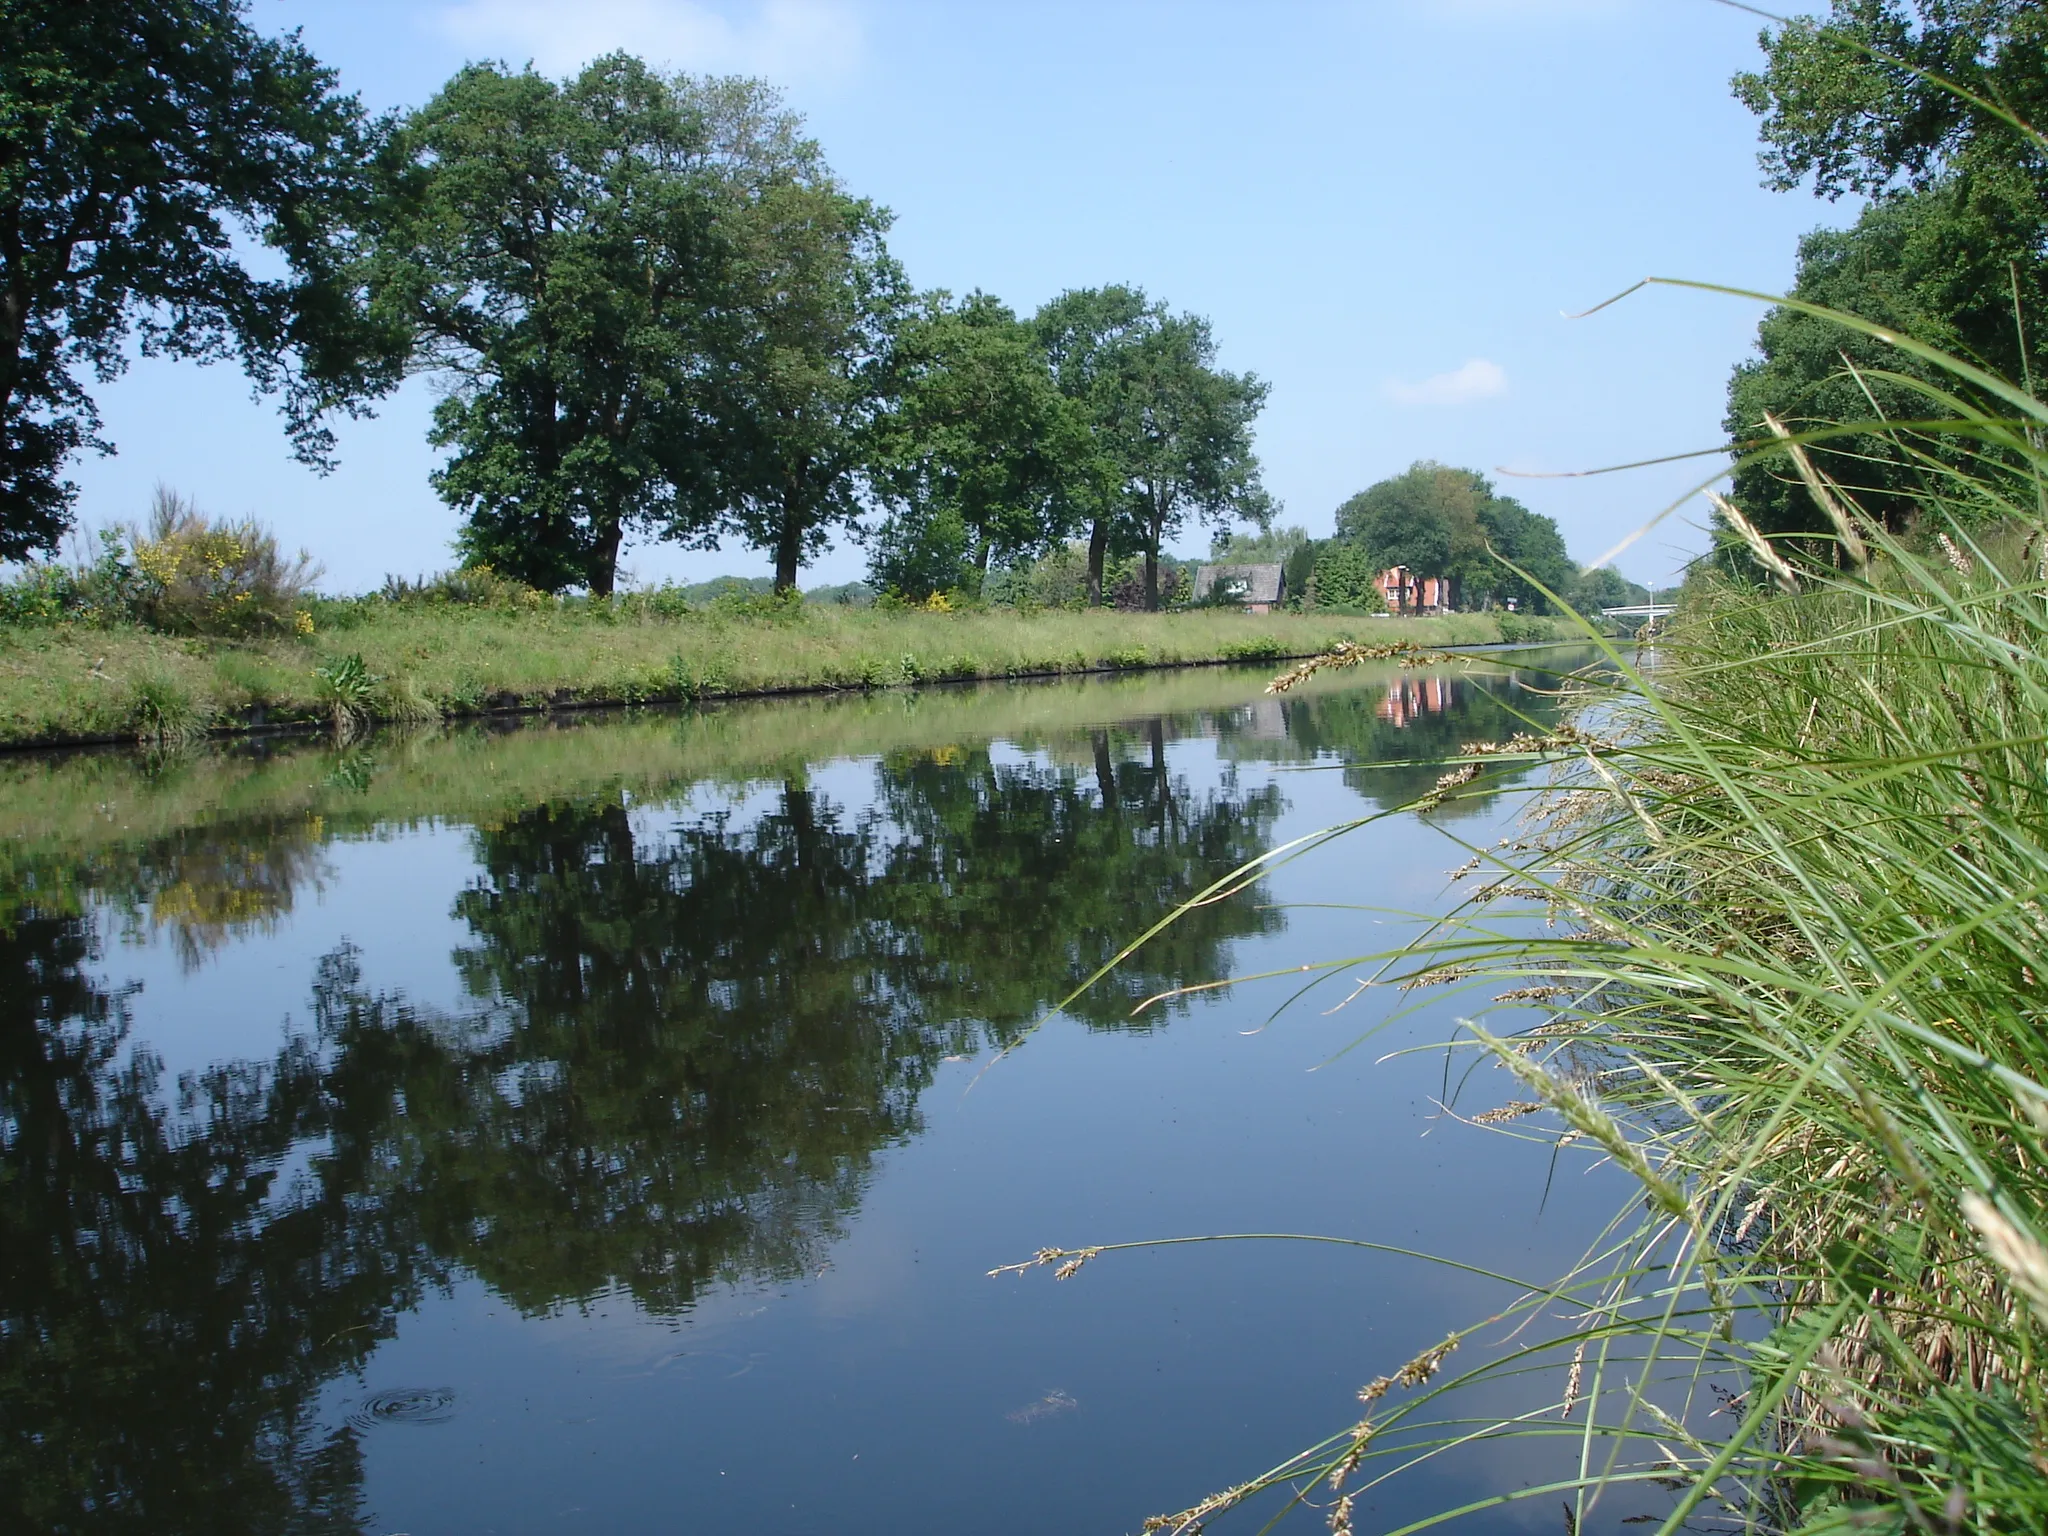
x=1385, y=207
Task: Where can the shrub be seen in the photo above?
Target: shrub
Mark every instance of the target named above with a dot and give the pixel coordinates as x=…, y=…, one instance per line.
x=917, y=556
x=470, y=586
x=41, y=594
x=1520, y=629
x=199, y=576
x=740, y=604
x=106, y=590
x=1257, y=648
x=1342, y=581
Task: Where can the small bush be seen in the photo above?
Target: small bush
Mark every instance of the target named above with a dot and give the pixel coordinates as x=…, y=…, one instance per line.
x=472, y=586
x=782, y=606
x=1257, y=648
x=666, y=601
x=1520, y=629
x=41, y=594
x=198, y=576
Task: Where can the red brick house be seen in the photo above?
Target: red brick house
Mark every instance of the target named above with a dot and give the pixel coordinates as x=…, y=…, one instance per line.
x=1405, y=592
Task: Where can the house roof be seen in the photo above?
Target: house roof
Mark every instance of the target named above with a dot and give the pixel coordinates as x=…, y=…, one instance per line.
x=1262, y=583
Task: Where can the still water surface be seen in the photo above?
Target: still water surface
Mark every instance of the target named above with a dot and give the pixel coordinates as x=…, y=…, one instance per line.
x=600, y=1127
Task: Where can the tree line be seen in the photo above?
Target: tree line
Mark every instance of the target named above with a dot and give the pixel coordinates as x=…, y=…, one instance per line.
x=658, y=311
x=1921, y=107
x=1442, y=522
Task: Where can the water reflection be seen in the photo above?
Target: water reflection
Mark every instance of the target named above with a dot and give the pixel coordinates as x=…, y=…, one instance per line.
x=688, y=1033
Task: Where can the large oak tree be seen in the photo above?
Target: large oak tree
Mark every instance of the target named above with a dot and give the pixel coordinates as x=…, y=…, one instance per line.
x=142, y=141
x=605, y=268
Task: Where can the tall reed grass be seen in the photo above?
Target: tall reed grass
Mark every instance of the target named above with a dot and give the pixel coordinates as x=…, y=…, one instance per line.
x=1779, y=912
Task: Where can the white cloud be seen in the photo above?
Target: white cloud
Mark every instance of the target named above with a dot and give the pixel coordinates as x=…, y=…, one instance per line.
x=1477, y=380
x=784, y=40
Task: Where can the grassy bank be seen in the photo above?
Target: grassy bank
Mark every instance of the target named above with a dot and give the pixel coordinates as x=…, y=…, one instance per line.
x=65, y=804
x=75, y=683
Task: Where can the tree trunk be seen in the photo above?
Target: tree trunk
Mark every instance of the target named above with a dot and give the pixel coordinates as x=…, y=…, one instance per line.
x=604, y=560
x=1152, y=570
x=1105, y=770
x=1161, y=786
x=1098, y=550
x=789, y=549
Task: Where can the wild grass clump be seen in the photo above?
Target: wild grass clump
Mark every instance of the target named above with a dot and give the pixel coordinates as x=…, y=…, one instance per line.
x=348, y=692
x=1784, y=912
x=164, y=713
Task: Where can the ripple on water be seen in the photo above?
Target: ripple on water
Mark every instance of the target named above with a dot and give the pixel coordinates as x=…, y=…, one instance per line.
x=404, y=1405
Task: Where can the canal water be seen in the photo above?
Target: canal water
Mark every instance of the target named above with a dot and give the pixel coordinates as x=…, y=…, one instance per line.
x=609, y=1126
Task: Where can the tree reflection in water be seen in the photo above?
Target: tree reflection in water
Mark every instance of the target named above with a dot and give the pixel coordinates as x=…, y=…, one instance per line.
x=687, y=1044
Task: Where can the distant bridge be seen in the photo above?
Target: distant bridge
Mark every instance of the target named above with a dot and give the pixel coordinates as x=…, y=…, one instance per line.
x=1641, y=611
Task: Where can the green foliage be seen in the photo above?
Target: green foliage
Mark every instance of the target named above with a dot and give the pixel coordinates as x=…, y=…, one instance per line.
x=1257, y=648
x=1947, y=265
x=1871, y=100
x=544, y=244
x=1135, y=584
x=143, y=143
x=1268, y=546
x=809, y=307
x=1604, y=588
x=1171, y=431
x=1445, y=522
x=628, y=275
x=1342, y=579
x=1872, y=96
x=43, y=593
x=184, y=574
x=470, y=586
x=980, y=450
x=1057, y=579
x=1183, y=435
x=915, y=555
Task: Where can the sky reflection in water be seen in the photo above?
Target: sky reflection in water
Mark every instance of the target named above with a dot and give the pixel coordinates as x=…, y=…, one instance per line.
x=592, y=1128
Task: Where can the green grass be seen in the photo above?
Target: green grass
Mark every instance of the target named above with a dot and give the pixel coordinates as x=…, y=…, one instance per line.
x=71, y=683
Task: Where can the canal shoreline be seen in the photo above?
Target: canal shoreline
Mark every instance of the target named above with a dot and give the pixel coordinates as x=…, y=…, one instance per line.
x=157, y=711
